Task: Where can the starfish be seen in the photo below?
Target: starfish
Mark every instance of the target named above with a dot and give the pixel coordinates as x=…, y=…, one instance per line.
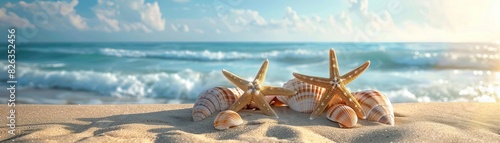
x=335, y=85
x=255, y=92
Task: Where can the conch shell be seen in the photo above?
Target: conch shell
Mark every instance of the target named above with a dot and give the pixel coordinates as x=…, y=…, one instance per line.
x=219, y=99
x=377, y=106
x=214, y=100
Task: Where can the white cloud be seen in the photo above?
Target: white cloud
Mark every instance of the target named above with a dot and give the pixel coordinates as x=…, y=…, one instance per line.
x=437, y=21
x=463, y=21
x=129, y=15
x=444, y=21
x=291, y=14
x=185, y=28
x=53, y=15
x=237, y=20
x=181, y=1
x=297, y=23
x=180, y=28
x=341, y=22
x=244, y=20
x=174, y=28
x=369, y=25
x=199, y=31
x=112, y=24
x=359, y=6
x=9, y=5
x=9, y=19
x=151, y=15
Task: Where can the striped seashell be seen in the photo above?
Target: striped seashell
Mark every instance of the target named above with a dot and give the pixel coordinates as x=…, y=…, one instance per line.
x=307, y=96
x=342, y=114
x=214, y=100
x=377, y=106
x=336, y=100
x=227, y=119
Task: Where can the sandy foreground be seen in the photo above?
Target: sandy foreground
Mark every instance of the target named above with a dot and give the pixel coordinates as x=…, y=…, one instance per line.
x=415, y=122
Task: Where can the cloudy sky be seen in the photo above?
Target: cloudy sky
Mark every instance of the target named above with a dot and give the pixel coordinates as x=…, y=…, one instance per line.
x=254, y=20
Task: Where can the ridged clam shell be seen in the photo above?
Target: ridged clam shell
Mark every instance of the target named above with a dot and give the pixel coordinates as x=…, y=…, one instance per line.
x=214, y=100
x=377, y=106
x=342, y=114
x=306, y=98
x=227, y=119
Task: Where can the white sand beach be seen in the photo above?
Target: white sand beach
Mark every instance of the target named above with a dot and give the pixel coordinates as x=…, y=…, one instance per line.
x=414, y=122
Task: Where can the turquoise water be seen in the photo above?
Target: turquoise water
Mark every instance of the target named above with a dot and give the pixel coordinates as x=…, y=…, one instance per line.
x=108, y=73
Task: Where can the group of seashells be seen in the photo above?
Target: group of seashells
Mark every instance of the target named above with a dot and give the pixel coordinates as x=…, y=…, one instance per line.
x=306, y=94
x=375, y=105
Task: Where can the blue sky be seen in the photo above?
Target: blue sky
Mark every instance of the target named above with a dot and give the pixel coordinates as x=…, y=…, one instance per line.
x=253, y=20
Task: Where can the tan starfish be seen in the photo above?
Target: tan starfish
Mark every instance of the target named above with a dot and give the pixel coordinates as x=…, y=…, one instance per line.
x=335, y=85
x=255, y=92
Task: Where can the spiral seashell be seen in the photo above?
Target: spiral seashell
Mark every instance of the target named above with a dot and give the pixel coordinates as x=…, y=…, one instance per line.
x=377, y=106
x=214, y=100
x=227, y=119
x=307, y=96
x=342, y=114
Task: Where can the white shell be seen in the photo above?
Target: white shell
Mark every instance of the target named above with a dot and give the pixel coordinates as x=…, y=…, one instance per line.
x=214, y=100
x=227, y=119
x=376, y=106
x=342, y=114
x=307, y=96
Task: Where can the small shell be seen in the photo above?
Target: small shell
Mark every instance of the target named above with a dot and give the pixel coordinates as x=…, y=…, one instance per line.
x=227, y=119
x=214, y=100
x=336, y=100
x=343, y=114
x=377, y=106
x=277, y=102
x=307, y=96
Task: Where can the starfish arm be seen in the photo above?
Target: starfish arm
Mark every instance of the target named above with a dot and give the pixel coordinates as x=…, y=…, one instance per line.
x=261, y=75
x=272, y=90
x=350, y=76
x=264, y=106
x=351, y=101
x=236, y=80
x=323, y=103
x=318, y=81
x=243, y=101
x=334, y=66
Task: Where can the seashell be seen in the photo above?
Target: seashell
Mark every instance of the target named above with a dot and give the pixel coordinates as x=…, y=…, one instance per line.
x=342, y=114
x=214, y=100
x=336, y=100
x=227, y=119
x=277, y=102
x=377, y=106
x=307, y=96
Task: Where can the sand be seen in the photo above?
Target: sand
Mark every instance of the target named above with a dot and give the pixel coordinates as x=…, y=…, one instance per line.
x=415, y=122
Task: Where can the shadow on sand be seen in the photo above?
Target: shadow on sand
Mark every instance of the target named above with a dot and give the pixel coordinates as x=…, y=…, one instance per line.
x=172, y=123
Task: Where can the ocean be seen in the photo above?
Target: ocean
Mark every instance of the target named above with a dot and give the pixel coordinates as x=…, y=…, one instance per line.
x=144, y=73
